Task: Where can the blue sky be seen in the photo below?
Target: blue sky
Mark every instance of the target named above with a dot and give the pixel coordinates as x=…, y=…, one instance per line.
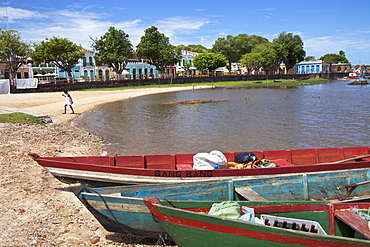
x=325, y=26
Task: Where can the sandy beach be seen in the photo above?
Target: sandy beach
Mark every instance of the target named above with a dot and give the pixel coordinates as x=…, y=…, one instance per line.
x=52, y=104
x=36, y=209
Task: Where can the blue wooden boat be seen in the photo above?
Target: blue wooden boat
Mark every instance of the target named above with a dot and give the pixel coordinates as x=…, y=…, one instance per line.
x=122, y=209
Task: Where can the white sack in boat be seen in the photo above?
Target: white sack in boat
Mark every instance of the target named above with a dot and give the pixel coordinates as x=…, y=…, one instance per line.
x=209, y=161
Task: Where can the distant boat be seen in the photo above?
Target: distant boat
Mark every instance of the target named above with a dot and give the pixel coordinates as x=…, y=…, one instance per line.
x=179, y=168
x=330, y=225
x=354, y=75
x=122, y=209
x=361, y=81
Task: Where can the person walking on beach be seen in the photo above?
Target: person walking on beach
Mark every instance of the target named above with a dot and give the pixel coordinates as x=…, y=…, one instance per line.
x=69, y=102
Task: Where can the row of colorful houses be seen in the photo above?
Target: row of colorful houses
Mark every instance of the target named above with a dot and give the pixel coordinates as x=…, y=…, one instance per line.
x=87, y=70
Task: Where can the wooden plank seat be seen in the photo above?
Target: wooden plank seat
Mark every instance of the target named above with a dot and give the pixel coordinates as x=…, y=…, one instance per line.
x=249, y=194
x=354, y=221
x=362, y=157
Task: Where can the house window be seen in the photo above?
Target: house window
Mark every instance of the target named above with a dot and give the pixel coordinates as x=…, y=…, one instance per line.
x=303, y=70
x=339, y=69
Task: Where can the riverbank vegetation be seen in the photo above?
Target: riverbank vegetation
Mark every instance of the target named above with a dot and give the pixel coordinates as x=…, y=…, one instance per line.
x=19, y=117
x=271, y=83
x=257, y=83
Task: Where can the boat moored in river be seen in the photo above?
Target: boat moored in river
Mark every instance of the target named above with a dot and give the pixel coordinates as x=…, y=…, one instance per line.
x=175, y=168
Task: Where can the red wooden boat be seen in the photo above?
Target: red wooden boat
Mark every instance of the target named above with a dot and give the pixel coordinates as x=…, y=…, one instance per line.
x=172, y=168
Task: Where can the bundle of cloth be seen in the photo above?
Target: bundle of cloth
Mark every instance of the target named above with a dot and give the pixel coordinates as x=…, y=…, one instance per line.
x=217, y=160
x=249, y=160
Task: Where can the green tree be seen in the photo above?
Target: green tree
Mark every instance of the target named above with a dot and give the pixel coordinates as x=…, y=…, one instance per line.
x=210, y=61
x=252, y=61
x=245, y=43
x=13, y=51
x=193, y=48
x=61, y=52
x=226, y=46
x=156, y=48
x=270, y=56
x=233, y=48
x=309, y=58
x=293, y=51
x=113, y=49
x=334, y=58
x=266, y=55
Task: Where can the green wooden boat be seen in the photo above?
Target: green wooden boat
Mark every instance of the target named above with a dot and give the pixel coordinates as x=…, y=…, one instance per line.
x=315, y=224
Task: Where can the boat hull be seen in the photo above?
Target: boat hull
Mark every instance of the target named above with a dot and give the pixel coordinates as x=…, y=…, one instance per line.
x=125, y=205
x=177, y=168
x=188, y=228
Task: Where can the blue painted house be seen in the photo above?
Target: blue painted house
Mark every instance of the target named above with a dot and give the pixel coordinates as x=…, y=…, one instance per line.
x=87, y=65
x=139, y=69
x=313, y=67
x=83, y=68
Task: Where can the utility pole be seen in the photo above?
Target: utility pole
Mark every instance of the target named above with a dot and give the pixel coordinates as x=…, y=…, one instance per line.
x=6, y=17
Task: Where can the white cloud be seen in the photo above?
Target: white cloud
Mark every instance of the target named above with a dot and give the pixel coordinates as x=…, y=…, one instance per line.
x=268, y=9
x=181, y=24
x=353, y=44
x=14, y=14
x=78, y=23
x=79, y=14
x=333, y=44
x=173, y=26
x=77, y=26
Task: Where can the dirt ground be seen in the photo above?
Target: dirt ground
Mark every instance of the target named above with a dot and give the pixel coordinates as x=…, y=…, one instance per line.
x=36, y=209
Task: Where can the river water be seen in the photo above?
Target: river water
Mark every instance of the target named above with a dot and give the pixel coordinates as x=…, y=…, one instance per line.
x=326, y=115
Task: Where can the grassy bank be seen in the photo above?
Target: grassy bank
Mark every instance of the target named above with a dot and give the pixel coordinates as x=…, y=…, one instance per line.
x=262, y=83
x=19, y=117
x=271, y=83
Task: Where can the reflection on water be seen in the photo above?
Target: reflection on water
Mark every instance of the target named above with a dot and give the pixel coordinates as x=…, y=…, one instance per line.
x=327, y=115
